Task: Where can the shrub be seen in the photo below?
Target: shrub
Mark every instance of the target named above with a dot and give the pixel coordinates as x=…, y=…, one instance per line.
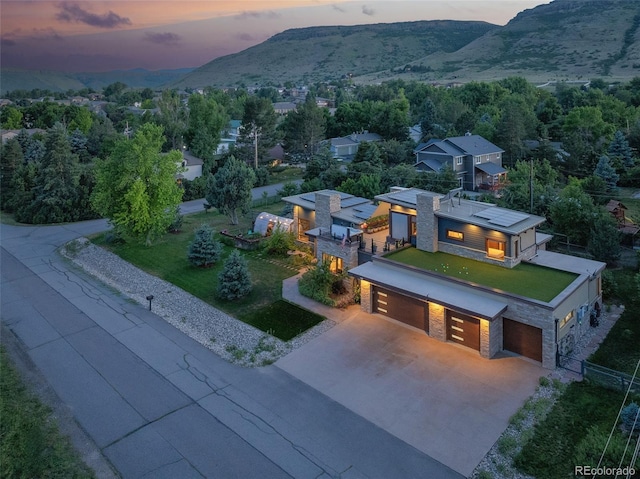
x=176, y=224
x=319, y=283
x=262, y=176
x=234, y=281
x=609, y=285
x=204, y=250
x=589, y=450
x=629, y=418
x=279, y=243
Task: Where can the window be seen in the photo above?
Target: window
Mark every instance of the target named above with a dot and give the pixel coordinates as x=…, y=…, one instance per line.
x=456, y=235
x=335, y=263
x=478, y=160
x=566, y=319
x=495, y=249
x=459, y=160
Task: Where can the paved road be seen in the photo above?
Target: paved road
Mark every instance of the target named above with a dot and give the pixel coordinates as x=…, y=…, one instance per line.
x=158, y=404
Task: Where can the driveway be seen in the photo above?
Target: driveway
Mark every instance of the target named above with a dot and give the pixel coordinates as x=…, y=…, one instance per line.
x=443, y=399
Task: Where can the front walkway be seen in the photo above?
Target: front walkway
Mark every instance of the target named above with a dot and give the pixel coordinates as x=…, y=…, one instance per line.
x=443, y=399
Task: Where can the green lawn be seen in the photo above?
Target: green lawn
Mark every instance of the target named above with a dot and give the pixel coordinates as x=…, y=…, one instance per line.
x=167, y=259
x=31, y=444
x=287, y=174
x=528, y=280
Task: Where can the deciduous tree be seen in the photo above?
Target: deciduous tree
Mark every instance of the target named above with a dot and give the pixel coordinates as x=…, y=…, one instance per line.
x=136, y=186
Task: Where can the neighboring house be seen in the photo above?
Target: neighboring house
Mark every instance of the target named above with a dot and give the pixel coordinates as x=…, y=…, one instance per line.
x=561, y=155
x=346, y=147
x=415, y=132
x=229, y=136
x=476, y=161
x=9, y=134
x=193, y=166
x=522, y=299
x=284, y=107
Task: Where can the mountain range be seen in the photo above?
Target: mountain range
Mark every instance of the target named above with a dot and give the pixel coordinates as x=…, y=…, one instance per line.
x=561, y=41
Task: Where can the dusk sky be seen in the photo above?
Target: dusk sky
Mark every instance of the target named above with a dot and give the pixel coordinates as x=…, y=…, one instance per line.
x=103, y=35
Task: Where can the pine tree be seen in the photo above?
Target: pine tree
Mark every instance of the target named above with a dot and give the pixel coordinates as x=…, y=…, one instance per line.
x=204, y=250
x=234, y=281
x=10, y=159
x=607, y=172
x=620, y=151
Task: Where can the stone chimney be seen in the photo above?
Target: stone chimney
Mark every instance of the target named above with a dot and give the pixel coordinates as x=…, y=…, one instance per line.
x=427, y=222
x=326, y=204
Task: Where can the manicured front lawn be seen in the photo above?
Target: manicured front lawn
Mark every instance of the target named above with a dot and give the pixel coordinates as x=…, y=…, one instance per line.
x=528, y=280
x=31, y=444
x=286, y=318
x=167, y=259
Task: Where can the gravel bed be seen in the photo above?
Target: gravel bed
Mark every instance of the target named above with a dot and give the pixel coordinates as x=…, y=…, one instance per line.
x=230, y=338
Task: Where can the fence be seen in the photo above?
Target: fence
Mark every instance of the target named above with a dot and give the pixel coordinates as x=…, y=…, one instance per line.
x=610, y=378
x=604, y=377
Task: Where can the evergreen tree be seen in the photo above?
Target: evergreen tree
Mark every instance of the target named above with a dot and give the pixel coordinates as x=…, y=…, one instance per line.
x=234, y=281
x=620, y=151
x=607, y=172
x=229, y=189
x=204, y=250
x=56, y=183
x=10, y=160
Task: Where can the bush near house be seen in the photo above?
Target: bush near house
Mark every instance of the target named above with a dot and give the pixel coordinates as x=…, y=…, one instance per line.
x=323, y=286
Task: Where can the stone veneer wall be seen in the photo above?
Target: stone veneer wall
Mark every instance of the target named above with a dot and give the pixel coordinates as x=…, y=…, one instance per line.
x=365, y=297
x=437, y=323
x=333, y=247
x=326, y=204
x=426, y=222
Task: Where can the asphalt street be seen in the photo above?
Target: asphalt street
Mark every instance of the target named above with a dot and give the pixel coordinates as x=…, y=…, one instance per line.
x=158, y=404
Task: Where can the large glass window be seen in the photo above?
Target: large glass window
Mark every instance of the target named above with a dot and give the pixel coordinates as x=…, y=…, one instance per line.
x=335, y=263
x=495, y=249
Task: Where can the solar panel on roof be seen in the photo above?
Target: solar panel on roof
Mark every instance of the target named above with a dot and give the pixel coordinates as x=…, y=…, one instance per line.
x=501, y=217
x=352, y=201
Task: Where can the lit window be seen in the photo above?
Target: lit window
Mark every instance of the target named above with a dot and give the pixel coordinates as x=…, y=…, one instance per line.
x=566, y=319
x=456, y=235
x=495, y=249
x=335, y=263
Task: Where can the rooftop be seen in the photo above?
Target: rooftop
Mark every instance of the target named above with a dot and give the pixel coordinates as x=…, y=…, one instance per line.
x=526, y=279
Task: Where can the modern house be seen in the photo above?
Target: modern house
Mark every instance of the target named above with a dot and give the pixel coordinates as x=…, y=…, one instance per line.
x=470, y=273
x=476, y=161
x=346, y=147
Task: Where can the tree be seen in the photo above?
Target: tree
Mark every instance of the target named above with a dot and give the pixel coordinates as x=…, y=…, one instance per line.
x=11, y=118
x=229, y=189
x=604, y=238
x=136, y=186
x=304, y=128
x=234, y=281
x=518, y=195
x=206, y=121
x=607, y=172
x=572, y=214
x=620, y=151
x=56, y=184
x=204, y=250
x=517, y=123
x=258, y=130
x=173, y=116
x=10, y=159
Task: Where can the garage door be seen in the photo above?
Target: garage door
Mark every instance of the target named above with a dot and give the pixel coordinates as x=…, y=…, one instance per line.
x=402, y=308
x=522, y=338
x=463, y=329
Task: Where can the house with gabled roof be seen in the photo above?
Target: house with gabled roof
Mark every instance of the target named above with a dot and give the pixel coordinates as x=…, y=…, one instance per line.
x=346, y=147
x=476, y=161
x=465, y=272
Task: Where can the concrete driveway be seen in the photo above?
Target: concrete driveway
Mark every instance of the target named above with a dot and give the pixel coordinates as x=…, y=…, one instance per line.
x=443, y=399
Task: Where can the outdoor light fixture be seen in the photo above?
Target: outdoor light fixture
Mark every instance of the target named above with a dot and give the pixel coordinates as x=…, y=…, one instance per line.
x=149, y=298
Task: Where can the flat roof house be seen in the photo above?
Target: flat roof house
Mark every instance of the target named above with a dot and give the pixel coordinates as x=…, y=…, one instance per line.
x=476, y=275
x=476, y=161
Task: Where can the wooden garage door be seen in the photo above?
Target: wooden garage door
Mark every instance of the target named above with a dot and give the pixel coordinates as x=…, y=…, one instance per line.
x=463, y=329
x=402, y=308
x=522, y=339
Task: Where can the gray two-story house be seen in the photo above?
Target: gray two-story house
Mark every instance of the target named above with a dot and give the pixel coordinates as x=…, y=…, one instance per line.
x=476, y=161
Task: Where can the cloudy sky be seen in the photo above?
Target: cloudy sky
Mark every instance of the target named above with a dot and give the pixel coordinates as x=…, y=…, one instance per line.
x=103, y=35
